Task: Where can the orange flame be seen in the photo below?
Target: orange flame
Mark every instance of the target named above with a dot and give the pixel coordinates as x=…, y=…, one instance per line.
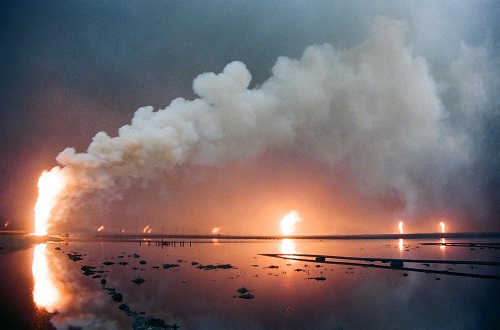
x=400, y=227
x=50, y=187
x=216, y=230
x=100, y=228
x=289, y=222
x=441, y=224
x=146, y=229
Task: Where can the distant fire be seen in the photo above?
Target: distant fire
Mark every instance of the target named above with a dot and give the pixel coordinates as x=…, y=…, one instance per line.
x=441, y=224
x=289, y=222
x=6, y=224
x=100, y=228
x=400, y=227
x=50, y=186
x=216, y=231
x=146, y=229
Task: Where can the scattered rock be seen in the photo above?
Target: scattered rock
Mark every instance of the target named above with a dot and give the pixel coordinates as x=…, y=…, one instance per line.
x=87, y=270
x=75, y=257
x=117, y=297
x=150, y=322
x=167, y=266
x=242, y=290
x=246, y=296
x=142, y=262
x=123, y=263
x=396, y=264
x=124, y=308
x=103, y=281
x=135, y=255
x=108, y=263
x=138, y=280
x=320, y=278
x=212, y=267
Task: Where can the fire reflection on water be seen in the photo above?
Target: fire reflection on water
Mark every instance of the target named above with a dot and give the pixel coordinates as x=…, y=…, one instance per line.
x=45, y=292
x=443, y=244
x=288, y=246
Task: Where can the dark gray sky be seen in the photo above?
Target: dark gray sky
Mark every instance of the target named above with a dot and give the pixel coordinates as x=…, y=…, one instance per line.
x=73, y=68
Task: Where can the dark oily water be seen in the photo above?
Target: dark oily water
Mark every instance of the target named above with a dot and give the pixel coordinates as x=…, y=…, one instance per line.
x=252, y=284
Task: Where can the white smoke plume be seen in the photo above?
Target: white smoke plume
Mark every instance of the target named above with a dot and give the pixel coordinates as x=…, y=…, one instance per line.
x=373, y=110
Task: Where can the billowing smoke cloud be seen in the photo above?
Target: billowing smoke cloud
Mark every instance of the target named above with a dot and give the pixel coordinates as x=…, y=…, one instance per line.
x=373, y=112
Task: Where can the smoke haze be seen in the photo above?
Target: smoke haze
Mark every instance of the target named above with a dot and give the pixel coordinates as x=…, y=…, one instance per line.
x=393, y=114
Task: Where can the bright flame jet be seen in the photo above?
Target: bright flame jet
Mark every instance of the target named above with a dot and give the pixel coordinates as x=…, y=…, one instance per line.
x=100, y=228
x=289, y=222
x=50, y=187
x=441, y=224
x=443, y=241
x=401, y=243
x=216, y=231
x=146, y=229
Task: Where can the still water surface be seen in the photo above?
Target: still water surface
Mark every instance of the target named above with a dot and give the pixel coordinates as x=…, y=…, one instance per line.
x=43, y=287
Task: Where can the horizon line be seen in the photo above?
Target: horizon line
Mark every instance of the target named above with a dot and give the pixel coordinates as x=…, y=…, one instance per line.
x=279, y=237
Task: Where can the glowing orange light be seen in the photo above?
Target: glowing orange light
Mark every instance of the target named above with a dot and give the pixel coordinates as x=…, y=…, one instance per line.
x=100, y=228
x=400, y=227
x=288, y=246
x=216, y=230
x=401, y=244
x=50, y=186
x=289, y=222
x=45, y=292
x=441, y=224
x=146, y=229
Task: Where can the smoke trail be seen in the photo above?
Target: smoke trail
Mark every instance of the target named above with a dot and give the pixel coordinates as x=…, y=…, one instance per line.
x=374, y=110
